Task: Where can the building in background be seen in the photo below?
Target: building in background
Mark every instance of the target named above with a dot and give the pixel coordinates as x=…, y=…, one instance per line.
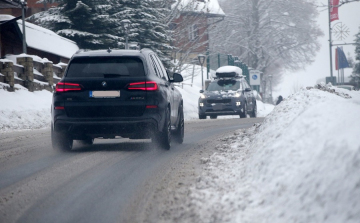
x=40, y=41
x=192, y=19
x=13, y=8
x=8, y=7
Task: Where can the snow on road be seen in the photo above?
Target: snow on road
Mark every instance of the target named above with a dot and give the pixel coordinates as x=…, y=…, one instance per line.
x=300, y=165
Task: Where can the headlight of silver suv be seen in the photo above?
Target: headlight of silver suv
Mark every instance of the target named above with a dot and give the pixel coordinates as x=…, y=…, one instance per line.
x=237, y=95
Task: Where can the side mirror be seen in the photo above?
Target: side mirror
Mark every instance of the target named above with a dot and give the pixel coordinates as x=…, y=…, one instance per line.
x=177, y=78
x=170, y=74
x=248, y=89
x=201, y=91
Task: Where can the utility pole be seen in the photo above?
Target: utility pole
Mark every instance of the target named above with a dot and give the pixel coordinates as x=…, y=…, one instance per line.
x=23, y=5
x=330, y=41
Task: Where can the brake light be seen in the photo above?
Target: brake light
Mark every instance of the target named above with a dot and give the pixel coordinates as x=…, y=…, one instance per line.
x=59, y=108
x=143, y=86
x=151, y=106
x=63, y=87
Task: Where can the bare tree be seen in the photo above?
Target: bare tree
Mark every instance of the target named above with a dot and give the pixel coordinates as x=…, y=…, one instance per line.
x=269, y=35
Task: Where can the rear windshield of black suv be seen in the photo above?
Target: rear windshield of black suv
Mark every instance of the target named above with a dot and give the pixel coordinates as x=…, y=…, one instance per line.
x=105, y=67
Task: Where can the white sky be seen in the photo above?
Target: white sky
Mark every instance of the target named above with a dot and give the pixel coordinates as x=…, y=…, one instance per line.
x=349, y=16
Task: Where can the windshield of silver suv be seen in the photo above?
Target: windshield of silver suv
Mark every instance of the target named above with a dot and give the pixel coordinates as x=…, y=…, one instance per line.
x=224, y=85
x=105, y=67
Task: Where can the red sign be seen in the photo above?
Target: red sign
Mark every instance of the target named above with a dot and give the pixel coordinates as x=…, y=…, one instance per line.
x=334, y=10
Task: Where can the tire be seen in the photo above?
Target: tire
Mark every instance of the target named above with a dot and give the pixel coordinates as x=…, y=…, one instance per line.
x=213, y=116
x=88, y=142
x=61, y=141
x=202, y=116
x=164, y=138
x=179, y=134
x=243, y=114
x=253, y=113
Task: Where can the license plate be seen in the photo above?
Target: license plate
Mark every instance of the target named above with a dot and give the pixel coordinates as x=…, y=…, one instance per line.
x=217, y=107
x=104, y=94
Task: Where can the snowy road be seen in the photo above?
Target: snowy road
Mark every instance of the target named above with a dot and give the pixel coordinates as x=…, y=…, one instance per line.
x=112, y=181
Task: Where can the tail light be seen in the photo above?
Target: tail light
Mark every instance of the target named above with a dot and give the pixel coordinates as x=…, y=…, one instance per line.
x=63, y=87
x=151, y=106
x=143, y=86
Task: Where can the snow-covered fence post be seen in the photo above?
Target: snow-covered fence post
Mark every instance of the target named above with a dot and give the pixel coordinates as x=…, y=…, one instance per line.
x=28, y=75
x=48, y=73
x=7, y=70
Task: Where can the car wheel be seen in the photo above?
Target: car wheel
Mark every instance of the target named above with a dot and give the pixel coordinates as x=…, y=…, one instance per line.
x=164, y=138
x=89, y=141
x=61, y=141
x=243, y=114
x=202, y=116
x=213, y=116
x=253, y=114
x=179, y=134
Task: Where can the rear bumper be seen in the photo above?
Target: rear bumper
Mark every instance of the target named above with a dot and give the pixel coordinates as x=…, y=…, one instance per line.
x=79, y=129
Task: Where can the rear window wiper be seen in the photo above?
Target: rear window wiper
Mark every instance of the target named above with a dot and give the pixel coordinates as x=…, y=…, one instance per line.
x=114, y=75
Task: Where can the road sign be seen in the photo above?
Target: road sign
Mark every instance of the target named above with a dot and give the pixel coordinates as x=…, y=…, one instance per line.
x=255, y=77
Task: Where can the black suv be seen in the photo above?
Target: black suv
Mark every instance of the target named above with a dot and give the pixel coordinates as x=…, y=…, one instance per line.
x=228, y=94
x=109, y=93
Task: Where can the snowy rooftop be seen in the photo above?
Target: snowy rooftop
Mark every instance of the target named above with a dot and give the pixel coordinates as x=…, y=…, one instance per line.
x=4, y=18
x=45, y=40
x=206, y=6
x=48, y=41
x=230, y=69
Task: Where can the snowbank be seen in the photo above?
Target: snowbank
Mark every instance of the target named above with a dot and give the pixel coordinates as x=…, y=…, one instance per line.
x=22, y=109
x=300, y=165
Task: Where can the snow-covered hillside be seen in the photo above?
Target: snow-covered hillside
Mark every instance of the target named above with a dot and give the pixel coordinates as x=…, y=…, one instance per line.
x=300, y=165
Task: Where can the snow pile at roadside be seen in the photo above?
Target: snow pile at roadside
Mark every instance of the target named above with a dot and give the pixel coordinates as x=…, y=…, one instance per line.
x=300, y=165
x=24, y=110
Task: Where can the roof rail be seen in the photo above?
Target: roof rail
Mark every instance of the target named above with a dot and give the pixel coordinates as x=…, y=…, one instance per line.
x=81, y=50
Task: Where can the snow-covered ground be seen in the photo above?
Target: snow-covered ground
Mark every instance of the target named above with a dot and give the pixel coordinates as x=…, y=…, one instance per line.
x=300, y=165
x=22, y=109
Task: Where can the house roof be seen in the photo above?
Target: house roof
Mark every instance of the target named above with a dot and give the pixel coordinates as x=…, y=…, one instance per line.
x=43, y=39
x=209, y=7
x=5, y=4
x=46, y=40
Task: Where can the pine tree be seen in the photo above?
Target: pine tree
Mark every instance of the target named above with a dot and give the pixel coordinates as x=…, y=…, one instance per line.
x=96, y=24
x=355, y=77
x=86, y=22
x=147, y=25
